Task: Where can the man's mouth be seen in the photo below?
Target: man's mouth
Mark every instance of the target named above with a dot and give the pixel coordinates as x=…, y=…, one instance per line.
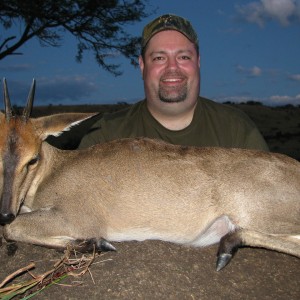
x=172, y=80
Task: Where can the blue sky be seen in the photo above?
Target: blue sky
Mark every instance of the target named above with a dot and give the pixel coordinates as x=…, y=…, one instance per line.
x=249, y=51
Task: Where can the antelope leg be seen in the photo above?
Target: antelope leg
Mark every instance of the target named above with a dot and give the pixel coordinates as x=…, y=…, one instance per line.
x=50, y=228
x=229, y=244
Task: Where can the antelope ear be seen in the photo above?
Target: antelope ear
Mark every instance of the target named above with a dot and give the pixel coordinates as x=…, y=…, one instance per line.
x=2, y=116
x=56, y=124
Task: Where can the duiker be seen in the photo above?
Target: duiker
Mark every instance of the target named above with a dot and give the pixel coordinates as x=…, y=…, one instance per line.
x=138, y=189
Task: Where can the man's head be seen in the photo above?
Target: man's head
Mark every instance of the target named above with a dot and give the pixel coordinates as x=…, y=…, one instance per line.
x=170, y=66
x=169, y=22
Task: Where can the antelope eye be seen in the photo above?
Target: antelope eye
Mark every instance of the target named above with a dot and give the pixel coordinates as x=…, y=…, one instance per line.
x=34, y=160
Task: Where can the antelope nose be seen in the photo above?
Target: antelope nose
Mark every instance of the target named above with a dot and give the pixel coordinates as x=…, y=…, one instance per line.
x=6, y=218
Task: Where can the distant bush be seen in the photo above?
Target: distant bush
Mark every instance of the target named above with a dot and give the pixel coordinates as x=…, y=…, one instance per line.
x=17, y=109
x=252, y=102
x=122, y=103
x=287, y=106
x=228, y=102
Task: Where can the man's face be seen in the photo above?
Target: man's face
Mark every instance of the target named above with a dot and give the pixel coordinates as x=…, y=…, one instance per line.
x=171, y=68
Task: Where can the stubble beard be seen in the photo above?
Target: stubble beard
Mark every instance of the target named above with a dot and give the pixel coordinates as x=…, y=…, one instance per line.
x=173, y=94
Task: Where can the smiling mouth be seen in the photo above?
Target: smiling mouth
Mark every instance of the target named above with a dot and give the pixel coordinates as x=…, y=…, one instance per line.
x=172, y=81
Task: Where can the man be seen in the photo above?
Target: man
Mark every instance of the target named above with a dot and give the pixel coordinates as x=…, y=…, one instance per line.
x=173, y=110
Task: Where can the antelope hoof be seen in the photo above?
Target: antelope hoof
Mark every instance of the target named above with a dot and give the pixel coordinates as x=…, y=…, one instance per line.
x=94, y=244
x=223, y=260
x=11, y=249
x=228, y=246
x=104, y=245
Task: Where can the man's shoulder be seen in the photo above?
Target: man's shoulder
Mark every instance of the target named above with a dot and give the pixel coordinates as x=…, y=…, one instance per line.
x=118, y=116
x=127, y=112
x=224, y=111
x=234, y=126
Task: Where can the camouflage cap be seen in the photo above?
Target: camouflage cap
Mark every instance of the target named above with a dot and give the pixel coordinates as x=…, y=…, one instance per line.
x=169, y=22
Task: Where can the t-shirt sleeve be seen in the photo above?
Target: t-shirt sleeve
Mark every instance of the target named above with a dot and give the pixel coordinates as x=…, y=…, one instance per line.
x=254, y=140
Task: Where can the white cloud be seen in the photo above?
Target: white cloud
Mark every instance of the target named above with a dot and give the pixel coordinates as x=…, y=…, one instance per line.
x=251, y=12
x=283, y=100
x=58, y=89
x=295, y=77
x=250, y=72
x=255, y=71
x=280, y=10
x=259, y=12
x=16, y=68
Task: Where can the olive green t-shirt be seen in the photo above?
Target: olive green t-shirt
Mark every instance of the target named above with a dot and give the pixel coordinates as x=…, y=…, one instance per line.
x=213, y=124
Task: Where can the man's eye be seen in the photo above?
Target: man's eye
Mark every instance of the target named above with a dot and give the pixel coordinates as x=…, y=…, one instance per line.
x=158, y=58
x=184, y=57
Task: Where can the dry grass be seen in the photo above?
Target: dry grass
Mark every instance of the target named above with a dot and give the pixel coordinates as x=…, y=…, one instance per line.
x=71, y=264
x=280, y=127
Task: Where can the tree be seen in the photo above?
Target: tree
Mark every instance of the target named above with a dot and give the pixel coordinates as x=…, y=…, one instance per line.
x=97, y=25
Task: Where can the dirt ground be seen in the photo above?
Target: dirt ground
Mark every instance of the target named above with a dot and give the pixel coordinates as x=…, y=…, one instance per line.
x=159, y=270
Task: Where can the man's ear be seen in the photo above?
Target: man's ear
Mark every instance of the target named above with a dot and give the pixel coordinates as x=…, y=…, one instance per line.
x=142, y=65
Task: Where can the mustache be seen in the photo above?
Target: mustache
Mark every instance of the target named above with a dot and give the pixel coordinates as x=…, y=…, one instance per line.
x=172, y=74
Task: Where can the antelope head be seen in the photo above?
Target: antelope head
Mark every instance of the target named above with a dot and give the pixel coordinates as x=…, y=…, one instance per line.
x=19, y=153
x=25, y=159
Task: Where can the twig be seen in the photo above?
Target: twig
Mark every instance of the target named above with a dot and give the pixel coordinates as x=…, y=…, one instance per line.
x=16, y=273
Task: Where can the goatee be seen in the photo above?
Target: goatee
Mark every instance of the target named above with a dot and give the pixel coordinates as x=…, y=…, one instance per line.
x=172, y=94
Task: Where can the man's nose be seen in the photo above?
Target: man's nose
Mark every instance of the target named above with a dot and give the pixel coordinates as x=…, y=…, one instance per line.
x=172, y=63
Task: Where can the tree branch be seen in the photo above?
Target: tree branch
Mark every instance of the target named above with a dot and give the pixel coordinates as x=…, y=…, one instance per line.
x=6, y=41
x=98, y=26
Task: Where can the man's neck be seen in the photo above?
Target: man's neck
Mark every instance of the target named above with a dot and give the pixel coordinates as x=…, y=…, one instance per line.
x=173, y=119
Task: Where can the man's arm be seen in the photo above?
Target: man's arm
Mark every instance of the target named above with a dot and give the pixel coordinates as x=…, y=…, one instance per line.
x=256, y=141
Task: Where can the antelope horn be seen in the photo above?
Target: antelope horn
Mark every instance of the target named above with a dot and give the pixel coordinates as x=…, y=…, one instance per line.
x=28, y=108
x=8, y=110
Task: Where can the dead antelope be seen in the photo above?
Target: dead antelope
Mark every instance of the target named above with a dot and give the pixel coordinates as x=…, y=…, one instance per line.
x=138, y=189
